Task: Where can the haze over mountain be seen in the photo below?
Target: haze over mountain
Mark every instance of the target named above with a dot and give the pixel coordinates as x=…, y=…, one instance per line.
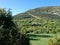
x=52, y=12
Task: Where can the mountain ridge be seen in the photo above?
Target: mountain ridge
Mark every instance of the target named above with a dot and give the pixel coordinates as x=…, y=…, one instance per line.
x=48, y=12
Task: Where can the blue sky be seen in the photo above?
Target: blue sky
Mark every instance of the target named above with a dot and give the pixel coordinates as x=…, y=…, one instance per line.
x=19, y=6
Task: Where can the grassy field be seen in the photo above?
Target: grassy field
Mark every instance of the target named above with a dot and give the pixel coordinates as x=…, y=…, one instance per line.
x=41, y=39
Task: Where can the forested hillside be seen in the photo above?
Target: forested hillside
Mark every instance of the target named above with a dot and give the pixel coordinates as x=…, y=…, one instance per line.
x=39, y=20
x=42, y=25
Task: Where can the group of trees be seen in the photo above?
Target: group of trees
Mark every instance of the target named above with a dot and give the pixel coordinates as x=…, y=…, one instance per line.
x=36, y=26
x=9, y=33
x=39, y=26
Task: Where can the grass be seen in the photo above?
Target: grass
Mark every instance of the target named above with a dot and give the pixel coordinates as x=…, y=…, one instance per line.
x=41, y=39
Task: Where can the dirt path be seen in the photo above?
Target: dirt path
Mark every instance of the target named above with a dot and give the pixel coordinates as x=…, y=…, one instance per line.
x=34, y=16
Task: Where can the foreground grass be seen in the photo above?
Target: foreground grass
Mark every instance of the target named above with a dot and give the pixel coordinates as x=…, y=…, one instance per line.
x=41, y=39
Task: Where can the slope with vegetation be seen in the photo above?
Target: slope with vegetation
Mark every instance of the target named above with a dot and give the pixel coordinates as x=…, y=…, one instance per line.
x=40, y=20
x=42, y=25
x=49, y=12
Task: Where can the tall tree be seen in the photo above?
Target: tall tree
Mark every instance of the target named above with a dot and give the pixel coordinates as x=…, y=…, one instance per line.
x=9, y=32
x=7, y=25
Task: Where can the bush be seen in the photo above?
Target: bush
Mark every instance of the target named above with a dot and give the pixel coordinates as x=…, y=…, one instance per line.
x=54, y=42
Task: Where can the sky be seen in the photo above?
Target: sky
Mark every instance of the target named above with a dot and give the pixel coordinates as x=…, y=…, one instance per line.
x=20, y=6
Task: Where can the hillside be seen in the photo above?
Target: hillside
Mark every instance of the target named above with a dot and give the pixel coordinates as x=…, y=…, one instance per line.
x=39, y=20
x=52, y=12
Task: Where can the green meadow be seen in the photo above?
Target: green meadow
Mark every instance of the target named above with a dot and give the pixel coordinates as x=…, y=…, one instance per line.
x=41, y=39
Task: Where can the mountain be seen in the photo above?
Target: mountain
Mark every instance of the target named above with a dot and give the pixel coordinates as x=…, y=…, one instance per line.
x=52, y=12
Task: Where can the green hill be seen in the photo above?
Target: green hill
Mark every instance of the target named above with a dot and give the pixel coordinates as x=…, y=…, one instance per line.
x=39, y=20
x=52, y=12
